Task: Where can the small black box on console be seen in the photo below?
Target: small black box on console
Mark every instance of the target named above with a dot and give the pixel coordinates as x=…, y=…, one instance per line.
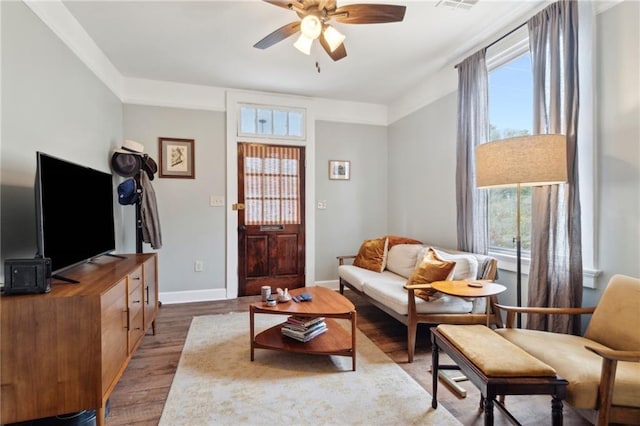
x=27, y=276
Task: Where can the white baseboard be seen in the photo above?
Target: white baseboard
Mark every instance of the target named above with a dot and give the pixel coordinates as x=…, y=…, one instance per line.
x=172, y=297
x=332, y=284
x=192, y=296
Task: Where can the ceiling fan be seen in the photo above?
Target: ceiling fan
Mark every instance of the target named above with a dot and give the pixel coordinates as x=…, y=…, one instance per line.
x=314, y=23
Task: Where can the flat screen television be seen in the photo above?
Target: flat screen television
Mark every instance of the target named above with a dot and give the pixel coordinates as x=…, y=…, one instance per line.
x=74, y=212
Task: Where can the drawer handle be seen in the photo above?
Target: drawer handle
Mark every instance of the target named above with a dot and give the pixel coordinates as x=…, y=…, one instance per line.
x=135, y=278
x=128, y=319
x=147, y=288
x=135, y=301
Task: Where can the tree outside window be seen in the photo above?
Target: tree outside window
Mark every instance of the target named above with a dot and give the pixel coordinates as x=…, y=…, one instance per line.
x=510, y=115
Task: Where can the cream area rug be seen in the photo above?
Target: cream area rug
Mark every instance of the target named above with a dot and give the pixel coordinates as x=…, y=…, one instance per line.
x=217, y=384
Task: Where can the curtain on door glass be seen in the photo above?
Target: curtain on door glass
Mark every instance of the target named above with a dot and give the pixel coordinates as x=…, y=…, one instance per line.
x=272, y=185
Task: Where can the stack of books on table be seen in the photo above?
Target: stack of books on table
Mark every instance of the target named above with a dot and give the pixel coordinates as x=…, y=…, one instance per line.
x=304, y=328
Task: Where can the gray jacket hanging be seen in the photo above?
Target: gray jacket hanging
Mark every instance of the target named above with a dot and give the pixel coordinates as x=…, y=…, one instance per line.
x=149, y=214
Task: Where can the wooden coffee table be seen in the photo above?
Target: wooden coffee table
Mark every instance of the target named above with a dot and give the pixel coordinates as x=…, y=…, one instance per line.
x=326, y=303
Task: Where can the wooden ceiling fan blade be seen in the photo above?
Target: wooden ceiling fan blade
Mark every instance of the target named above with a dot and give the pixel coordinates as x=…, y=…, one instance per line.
x=278, y=35
x=368, y=13
x=327, y=4
x=281, y=3
x=337, y=54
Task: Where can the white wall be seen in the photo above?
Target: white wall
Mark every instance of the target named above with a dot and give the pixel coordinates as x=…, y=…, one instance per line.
x=618, y=143
x=191, y=229
x=52, y=103
x=422, y=174
x=356, y=208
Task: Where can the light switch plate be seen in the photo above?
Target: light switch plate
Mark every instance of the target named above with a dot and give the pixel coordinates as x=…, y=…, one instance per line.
x=216, y=201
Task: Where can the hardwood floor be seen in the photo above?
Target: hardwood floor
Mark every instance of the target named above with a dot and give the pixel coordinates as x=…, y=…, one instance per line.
x=140, y=395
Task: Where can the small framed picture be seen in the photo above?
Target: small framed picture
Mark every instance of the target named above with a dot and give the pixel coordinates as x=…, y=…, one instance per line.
x=339, y=170
x=177, y=158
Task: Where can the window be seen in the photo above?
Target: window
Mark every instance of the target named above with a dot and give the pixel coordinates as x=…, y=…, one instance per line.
x=506, y=100
x=271, y=184
x=271, y=122
x=510, y=115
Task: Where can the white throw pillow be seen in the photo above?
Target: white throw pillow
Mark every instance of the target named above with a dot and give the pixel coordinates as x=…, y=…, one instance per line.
x=466, y=265
x=402, y=258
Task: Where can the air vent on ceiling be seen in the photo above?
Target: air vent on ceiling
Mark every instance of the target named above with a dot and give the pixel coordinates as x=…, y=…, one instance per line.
x=457, y=4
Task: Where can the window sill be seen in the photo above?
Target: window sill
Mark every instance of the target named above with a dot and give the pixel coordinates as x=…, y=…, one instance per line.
x=508, y=262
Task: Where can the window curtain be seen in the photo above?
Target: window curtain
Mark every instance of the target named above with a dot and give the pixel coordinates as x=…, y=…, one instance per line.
x=473, y=130
x=555, y=275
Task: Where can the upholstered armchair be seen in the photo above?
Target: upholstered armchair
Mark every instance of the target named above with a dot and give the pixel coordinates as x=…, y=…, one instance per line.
x=603, y=367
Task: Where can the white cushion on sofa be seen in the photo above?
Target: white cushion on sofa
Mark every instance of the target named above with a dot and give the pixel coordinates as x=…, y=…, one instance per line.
x=466, y=265
x=391, y=293
x=357, y=276
x=479, y=305
x=402, y=258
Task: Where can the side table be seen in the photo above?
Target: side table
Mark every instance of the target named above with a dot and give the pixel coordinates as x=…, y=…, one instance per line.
x=467, y=289
x=479, y=288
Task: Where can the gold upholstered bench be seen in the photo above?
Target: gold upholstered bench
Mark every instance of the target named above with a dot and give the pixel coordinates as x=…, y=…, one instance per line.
x=496, y=367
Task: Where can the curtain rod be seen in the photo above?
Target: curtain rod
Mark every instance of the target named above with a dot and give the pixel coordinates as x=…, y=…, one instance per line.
x=500, y=38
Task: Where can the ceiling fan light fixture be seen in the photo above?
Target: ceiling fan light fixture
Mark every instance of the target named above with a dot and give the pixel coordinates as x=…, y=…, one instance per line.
x=314, y=16
x=333, y=37
x=303, y=44
x=311, y=26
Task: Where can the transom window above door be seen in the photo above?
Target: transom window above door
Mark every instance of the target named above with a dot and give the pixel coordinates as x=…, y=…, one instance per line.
x=271, y=122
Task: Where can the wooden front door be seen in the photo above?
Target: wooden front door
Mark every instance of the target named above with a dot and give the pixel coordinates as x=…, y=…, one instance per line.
x=271, y=238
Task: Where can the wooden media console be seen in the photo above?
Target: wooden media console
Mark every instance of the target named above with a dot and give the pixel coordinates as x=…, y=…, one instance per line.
x=64, y=351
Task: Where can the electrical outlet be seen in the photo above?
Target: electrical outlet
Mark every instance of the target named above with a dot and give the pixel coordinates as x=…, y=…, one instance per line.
x=322, y=204
x=198, y=266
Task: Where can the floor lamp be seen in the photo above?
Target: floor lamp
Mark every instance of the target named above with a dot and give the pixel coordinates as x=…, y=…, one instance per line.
x=534, y=160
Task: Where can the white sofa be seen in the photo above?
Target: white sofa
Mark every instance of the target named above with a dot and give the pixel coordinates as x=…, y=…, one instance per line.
x=387, y=289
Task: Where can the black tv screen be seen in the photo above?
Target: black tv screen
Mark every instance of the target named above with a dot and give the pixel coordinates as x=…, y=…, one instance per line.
x=74, y=212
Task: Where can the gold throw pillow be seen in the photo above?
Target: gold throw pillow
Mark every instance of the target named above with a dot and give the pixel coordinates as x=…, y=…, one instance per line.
x=372, y=255
x=431, y=269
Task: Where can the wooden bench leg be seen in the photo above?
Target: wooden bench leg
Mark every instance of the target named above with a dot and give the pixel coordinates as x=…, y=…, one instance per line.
x=434, y=374
x=488, y=412
x=556, y=411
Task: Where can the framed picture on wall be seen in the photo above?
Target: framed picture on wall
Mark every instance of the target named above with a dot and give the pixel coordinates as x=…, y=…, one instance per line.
x=177, y=158
x=339, y=170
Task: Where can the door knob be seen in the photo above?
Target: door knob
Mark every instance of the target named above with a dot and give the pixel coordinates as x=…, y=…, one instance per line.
x=242, y=228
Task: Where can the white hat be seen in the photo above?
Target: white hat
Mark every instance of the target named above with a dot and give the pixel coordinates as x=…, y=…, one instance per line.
x=131, y=147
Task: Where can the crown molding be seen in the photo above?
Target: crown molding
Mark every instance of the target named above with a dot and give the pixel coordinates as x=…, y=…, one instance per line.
x=602, y=5
x=139, y=91
x=440, y=83
x=63, y=24
x=142, y=91
x=350, y=112
x=180, y=95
